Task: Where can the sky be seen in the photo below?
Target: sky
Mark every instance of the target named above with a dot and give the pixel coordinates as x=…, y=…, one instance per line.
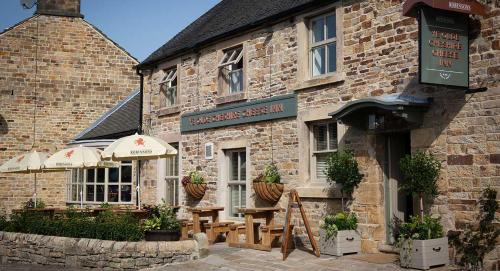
x=139, y=26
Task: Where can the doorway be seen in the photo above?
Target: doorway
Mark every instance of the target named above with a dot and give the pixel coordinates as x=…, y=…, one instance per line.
x=397, y=203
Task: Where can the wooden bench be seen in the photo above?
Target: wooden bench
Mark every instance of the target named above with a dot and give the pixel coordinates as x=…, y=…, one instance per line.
x=213, y=230
x=236, y=229
x=187, y=226
x=271, y=235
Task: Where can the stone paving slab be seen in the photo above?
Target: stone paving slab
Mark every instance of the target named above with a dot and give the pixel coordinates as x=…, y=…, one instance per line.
x=223, y=258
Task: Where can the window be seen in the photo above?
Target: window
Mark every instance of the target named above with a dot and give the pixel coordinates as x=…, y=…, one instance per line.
x=324, y=142
x=102, y=184
x=172, y=178
x=231, y=70
x=237, y=181
x=323, y=44
x=168, y=88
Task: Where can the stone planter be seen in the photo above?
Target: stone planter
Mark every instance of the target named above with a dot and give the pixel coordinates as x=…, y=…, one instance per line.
x=163, y=235
x=269, y=192
x=344, y=243
x=196, y=191
x=423, y=254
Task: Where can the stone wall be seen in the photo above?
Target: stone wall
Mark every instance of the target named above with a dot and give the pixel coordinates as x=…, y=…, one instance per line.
x=84, y=253
x=379, y=56
x=78, y=75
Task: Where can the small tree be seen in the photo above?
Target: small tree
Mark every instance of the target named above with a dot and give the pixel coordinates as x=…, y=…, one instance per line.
x=342, y=168
x=421, y=172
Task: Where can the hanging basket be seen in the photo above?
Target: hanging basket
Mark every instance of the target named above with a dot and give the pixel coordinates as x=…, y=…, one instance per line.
x=196, y=191
x=270, y=192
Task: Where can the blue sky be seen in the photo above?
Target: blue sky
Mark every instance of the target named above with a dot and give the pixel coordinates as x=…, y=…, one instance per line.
x=139, y=26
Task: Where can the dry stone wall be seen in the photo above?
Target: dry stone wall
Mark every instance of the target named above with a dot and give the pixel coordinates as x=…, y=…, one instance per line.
x=84, y=253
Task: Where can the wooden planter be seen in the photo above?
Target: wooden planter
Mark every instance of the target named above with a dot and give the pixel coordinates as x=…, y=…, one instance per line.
x=423, y=254
x=269, y=192
x=196, y=191
x=163, y=235
x=344, y=243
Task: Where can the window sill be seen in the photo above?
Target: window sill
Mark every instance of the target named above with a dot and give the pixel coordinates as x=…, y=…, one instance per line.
x=320, y=81
x=230, y=98
x=168, y=110
x=319, y=191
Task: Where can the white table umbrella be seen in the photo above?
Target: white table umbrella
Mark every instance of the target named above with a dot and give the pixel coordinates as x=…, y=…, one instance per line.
x=138, y=147
x=31, y=162
x=78, y=158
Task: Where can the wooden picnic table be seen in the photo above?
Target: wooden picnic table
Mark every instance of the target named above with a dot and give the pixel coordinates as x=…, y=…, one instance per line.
x=198, y=212
x=266, y=213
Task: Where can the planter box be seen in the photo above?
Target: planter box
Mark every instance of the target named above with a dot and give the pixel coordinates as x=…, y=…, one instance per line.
x=423, y=254
x=345, y=242
x=162, y=235
x=269, y=192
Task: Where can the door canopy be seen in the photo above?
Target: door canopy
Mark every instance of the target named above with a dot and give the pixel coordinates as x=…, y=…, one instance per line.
x=461, y=6
x=384, y=114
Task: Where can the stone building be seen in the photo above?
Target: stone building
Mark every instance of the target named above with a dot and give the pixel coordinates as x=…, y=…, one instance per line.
x=323, y=57
x=58, y=74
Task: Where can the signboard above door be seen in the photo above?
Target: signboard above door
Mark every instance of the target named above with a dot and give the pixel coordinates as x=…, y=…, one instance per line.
x=443, y=39
x=444, y=48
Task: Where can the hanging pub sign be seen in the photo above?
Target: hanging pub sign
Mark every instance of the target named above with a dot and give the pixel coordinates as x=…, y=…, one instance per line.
x=277, y=107
x=443, y=39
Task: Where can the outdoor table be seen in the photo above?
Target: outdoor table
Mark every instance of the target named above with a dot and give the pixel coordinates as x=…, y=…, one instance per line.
x=257, y=213
x=198, y=212
x=45, y=211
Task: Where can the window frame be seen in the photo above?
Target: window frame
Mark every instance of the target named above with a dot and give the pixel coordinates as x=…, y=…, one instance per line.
x=228, y=66
x=106, y=184
x=175, y=179
x=238, y=183
x=324, y=43
x=170, y=75
x=312, y=147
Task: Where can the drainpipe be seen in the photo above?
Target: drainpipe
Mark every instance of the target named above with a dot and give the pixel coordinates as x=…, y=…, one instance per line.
x=139, y=131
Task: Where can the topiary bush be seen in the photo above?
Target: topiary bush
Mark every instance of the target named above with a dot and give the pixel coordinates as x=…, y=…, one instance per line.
x=342, y=168
x=339, y=222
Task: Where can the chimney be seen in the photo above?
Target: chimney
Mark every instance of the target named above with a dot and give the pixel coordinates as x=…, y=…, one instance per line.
x=66, y=8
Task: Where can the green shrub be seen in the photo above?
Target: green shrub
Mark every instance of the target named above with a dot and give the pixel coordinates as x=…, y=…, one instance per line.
x=342, y=168
x=421, y=172
x=416, y=229
x=3, y=223
x=166, y=219
x=30, y=204
x=271, y=174
x=474, y=244
x=339, y=222
x=106, y=226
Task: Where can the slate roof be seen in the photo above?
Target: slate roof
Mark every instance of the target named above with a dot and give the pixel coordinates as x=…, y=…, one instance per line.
x=228, y=18
x=121, y=120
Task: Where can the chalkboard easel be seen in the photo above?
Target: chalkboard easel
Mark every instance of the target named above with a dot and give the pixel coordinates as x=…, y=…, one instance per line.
x=295, y=202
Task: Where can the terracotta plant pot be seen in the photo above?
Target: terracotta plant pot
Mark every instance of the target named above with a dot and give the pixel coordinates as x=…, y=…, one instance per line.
x=270, y=192
x=196, y=191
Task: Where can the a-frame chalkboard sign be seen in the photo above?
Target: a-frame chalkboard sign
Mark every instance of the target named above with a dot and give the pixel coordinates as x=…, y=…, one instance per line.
x=294, y=202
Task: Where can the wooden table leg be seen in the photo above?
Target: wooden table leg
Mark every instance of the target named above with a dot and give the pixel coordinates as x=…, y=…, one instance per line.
x=196, y=223
x=270, y=220
x=215, y=217
x=249, y=229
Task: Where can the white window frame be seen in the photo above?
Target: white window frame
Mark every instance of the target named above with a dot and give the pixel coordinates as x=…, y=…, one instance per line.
x=229, y=61
x=239, y=183
x=173, y=178
x=314, y=152
x=324, y=43
x=166, y=86
x=82, y=190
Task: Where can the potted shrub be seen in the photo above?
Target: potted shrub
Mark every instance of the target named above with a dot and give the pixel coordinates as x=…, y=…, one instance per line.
x=162, y=226
x=421, y=240
x=268, y=185
x=194, y=185
x=338, y=234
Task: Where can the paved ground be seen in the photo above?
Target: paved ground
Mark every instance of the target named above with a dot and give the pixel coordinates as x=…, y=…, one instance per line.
x=223, y=258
